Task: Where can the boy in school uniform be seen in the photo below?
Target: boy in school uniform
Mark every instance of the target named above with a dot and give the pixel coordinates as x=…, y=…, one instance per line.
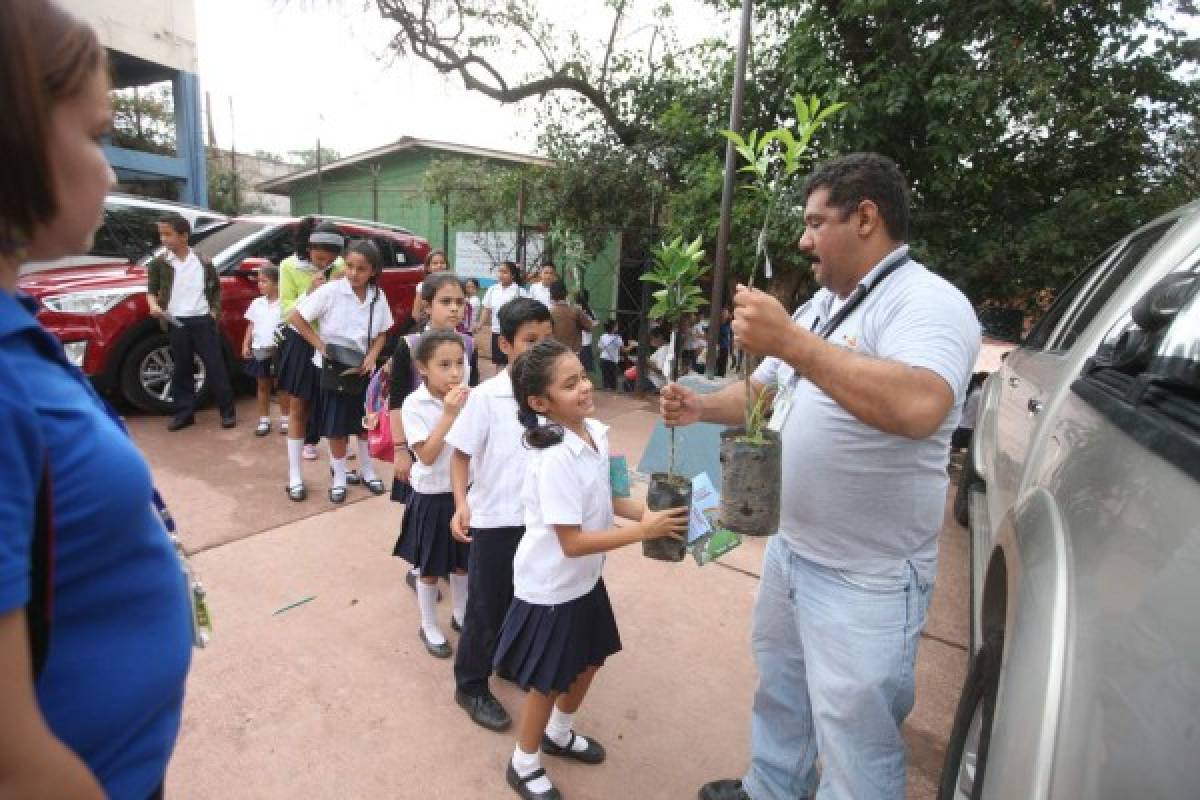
x=488, y=437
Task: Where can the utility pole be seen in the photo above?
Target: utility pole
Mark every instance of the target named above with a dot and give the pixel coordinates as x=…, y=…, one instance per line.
x=320, y=205
x=375, y=169
x=233, y=160
x=521, y=231
x=735, y=123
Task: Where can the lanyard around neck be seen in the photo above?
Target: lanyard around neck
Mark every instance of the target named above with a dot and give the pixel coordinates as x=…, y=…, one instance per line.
x=857, y=296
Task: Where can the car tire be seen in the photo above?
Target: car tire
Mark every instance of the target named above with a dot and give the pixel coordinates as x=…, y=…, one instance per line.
x=146, y=375
x=970, y=737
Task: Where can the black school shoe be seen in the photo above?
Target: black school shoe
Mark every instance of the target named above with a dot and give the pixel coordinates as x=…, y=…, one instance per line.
x=594, y=754
x=484, y=710
x=179, y=423
x=723, y=790
x=411, y=580
x=228, y=421
x=443, y=650
x=520, y=785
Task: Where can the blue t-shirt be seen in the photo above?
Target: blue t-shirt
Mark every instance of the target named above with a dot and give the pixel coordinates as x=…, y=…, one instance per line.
x=120, y=643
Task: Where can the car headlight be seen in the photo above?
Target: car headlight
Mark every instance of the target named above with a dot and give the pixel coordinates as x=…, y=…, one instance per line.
x=95, y=302
x=76, y=352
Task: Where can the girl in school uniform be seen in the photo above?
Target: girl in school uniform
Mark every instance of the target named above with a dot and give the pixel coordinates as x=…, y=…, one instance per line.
x=318, y=259
x=496, y=296
x=435, y=262
x=471, y=309
x=350, y=310
x=425, y=540
x=560, y=627
x=445, y=300
x=258, y=346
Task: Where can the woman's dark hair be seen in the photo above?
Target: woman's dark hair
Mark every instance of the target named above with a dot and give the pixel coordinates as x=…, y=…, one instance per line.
x=610, y=326
x=47, y=56
x=429, y=260
x=532, y=374
x=517, y=312
x=436, y=282
x=511, y=266
x=327, y=227
x=371, y=253
x=856, y=177
x=430, y=341
x=304, y=229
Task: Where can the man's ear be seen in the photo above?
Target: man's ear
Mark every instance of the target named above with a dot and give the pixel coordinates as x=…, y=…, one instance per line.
x=505, y=345
x=867, y=218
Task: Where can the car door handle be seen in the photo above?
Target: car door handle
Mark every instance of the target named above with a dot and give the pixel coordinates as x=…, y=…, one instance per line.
x=1035, y=406
x=1014, y=381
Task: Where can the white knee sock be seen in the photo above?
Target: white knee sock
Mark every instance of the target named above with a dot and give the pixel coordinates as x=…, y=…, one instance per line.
x=427, y=602
x=558, y=730
x=366, y=466
x=524, y=763
x=458, y=591
x=294, y=448
x=339, y=472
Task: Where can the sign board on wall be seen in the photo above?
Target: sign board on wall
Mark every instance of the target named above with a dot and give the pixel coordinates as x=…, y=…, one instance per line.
x=476, y=253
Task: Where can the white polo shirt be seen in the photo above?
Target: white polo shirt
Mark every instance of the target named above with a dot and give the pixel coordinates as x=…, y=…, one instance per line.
x=264, y=315
x=343, y=317
x=496, y=297
x=187, y=290
x=541, y=293
x=487, y=430
x=567, y=484
x=610, y=346
x=421, y=412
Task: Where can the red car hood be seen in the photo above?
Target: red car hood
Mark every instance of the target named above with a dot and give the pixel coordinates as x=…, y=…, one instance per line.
x=79, y=279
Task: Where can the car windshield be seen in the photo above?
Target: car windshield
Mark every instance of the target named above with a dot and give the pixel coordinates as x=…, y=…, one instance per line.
x=213, y=241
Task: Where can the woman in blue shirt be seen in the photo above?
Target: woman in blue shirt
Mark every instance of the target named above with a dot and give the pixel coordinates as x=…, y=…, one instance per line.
x=100, y=714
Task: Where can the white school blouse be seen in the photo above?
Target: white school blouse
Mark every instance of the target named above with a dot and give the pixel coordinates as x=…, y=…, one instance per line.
x=541, y=293
x=342, y=317
x=487, y=430
x=567, y=484
x=496, y=297
x=420, y=413
x=264, y=315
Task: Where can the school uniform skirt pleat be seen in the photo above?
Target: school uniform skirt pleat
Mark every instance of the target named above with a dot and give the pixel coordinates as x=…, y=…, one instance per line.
x=548, y=647
x=339, y=414
x=256, y=368
x=298, y=376
x=425, y=539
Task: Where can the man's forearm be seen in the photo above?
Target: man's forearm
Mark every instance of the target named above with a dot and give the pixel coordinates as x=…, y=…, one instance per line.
x=727, y=406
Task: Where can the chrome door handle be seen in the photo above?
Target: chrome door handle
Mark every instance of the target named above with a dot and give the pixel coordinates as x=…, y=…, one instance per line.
x=1014, y=381
x=1035, y=406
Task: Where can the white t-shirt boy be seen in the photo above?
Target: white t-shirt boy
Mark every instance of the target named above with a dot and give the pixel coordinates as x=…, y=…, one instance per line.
x=420, y=414
x=263, y=314
x=487, y=430
x=343, y=317
x=567, y=484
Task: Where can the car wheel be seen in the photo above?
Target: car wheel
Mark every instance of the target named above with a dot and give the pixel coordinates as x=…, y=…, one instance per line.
x=146, y=376
x=967, y=748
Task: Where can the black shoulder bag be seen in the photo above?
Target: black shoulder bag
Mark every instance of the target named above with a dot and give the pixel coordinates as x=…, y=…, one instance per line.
x=343, y=377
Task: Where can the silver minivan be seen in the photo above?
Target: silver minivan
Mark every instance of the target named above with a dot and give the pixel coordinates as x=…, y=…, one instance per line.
x=1083, y=483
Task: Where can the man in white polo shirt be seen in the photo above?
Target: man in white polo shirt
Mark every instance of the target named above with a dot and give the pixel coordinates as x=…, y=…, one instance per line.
x=541, y=291
x=185, y=294
x=869, y=378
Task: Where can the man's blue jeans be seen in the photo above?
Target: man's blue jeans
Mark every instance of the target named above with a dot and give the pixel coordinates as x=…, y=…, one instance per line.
x=836, y=652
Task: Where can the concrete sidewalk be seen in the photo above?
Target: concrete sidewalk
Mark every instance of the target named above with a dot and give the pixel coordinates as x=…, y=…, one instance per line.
x=337, y=698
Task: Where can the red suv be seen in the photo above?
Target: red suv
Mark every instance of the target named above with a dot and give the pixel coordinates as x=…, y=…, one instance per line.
x=100, y=312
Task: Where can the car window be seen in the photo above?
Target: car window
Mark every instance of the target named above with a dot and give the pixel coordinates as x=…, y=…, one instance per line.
x=1039, y=335
x=214, y=242
x=275, y=247
x=1101, y=290
x=127, y=232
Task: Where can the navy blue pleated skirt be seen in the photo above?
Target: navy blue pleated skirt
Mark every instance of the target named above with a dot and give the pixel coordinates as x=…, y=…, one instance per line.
x=260, y=369
x=425, y=539
x=548, y=647
x=402, y=490
x=298, y=376
x=339, y=415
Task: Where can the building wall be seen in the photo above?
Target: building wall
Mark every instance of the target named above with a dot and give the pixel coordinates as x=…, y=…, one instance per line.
x=162, y=31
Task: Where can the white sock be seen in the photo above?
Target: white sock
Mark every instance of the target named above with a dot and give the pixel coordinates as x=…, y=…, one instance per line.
x=415, y=572
x=427, y=601
x=264, y=419
x=558, y=730
x=524, y=763
x=366, y=466
x=339, y=472
x=283, y=419
x=458, y=591
x=295, y=447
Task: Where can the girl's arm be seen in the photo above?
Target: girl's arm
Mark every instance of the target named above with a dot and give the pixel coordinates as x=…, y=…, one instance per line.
x=247, y=338
x=368, y=365
x=485, y=317
x=429, y=450
x=671, y=523
x=306, y=331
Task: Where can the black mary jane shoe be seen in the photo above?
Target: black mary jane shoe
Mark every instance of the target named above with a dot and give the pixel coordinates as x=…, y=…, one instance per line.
x=410, y=579
x=375, y=486
x=594, y=754
x=521, y=785
x=727, y=789
x=337, y=494
x=443, y=650
x=352, y=478
x=297, y=493
x=455, y=625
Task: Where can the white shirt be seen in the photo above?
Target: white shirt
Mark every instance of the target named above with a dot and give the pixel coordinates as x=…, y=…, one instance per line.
x=264, y=315
x=420, y=413
x=656, y=367
x=610, y=346
x=567, y=484
x=496, y=297
x=187, y=290
x=487, y=430
x=541, y=293
x=343, y=318
x=586, y=336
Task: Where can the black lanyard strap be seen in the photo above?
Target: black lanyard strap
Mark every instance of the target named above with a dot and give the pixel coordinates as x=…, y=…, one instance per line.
x=857, y=296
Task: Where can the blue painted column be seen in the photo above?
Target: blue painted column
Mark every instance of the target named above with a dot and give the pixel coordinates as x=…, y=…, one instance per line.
x=189, y=138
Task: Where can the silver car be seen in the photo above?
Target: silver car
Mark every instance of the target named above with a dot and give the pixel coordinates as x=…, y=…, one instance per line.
x=1084, y=516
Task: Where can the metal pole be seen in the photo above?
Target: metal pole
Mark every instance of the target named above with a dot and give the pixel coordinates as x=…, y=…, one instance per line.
x=233, y=160
x=520, y=254
x=722, y=257
x=320, y=205
x=375, y=192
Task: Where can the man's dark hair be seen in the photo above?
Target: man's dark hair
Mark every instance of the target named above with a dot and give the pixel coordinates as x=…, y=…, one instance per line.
x=558, y=291
x=854, y=178
x=659, y=332
x=517, y=312
x=178, y=223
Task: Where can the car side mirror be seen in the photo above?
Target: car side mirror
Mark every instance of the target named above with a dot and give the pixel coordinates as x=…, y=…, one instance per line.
x=249, y=267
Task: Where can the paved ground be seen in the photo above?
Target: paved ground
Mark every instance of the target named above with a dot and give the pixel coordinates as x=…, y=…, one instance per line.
x=336, y=698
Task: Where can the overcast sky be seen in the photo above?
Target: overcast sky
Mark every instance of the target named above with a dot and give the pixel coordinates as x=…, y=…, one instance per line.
x=299, y=68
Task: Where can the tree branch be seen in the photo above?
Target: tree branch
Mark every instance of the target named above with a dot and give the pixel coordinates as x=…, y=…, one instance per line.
x=612, y=38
